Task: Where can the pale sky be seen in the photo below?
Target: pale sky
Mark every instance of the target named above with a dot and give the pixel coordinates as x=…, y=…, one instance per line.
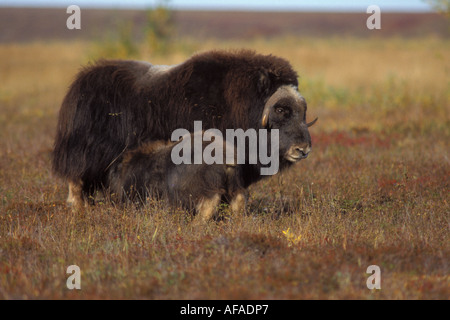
x=272, y=5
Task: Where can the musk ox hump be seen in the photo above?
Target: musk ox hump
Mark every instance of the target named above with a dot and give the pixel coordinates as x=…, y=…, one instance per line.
x=154, y=74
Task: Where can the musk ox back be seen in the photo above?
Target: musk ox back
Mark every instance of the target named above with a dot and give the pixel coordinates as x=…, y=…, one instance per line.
x=149, y=172
x=116, y=106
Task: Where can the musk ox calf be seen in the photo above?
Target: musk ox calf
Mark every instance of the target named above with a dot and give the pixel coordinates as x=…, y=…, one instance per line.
x=149, y=171
x=116, y=106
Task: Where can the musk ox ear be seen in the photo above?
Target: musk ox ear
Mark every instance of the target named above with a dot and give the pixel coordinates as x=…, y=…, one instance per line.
x=263, y=82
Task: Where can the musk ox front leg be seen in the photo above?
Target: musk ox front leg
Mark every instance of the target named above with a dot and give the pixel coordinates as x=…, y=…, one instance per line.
x=207, y=207
x=238, y=203
x=75, y=199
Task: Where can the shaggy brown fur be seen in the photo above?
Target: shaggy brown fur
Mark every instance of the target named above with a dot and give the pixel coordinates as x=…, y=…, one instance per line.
x=116, y=106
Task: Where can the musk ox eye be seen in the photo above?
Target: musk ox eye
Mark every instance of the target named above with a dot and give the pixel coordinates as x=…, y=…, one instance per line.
x=283, y=111
x=279, y=110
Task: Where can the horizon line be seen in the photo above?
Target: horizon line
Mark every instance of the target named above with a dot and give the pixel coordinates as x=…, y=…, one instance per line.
x=226, y=8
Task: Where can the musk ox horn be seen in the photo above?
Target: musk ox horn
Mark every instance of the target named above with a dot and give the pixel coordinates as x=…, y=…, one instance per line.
x=264, y=119
x=281, y=92
x=265, y=115
x=312, y=122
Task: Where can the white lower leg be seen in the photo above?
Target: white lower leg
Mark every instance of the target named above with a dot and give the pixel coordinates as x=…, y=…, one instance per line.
x=207, y=208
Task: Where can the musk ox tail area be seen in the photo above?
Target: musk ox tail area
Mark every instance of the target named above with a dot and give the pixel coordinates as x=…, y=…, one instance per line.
x=93, y=126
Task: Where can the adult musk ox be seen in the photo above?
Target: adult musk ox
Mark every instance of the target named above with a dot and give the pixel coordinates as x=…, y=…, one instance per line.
x=115, y=106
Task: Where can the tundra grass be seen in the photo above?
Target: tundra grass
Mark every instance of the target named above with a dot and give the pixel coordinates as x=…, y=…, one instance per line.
x=374, y=190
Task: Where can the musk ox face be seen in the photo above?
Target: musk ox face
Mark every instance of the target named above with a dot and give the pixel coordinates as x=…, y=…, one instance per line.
x=285, y=110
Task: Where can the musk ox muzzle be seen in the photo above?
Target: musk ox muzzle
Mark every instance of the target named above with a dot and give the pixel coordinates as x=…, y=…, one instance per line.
x=297, y=153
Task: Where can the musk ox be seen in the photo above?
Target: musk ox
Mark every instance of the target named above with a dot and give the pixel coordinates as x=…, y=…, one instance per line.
x=115, y=106
x=149, y=171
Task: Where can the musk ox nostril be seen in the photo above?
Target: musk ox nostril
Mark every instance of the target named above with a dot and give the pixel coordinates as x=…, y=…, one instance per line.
x=302, y=152
x=297, y=153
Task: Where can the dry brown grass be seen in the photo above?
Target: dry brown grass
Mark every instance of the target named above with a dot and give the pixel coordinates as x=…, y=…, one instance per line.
x=374, y=190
